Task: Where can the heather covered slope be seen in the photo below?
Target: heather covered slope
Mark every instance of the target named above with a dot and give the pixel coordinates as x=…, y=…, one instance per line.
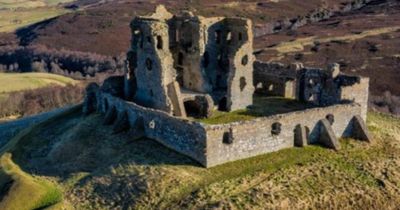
x=99, y=170
x=363, y=42
x=103, y=27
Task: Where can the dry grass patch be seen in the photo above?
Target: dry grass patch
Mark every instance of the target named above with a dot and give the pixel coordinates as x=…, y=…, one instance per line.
x=11, y=20
x=24, y=81
x=299, y=44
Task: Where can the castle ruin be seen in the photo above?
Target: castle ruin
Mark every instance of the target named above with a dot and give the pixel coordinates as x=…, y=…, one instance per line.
x=186, y=65
x=183, y=68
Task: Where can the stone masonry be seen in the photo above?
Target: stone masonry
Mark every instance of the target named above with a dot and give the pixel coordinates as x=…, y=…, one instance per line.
x=205, y=56
x=184, y=67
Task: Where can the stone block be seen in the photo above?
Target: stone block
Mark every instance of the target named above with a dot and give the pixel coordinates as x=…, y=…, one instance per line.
x=360, y=130
x=327, y=136
x=300, y=136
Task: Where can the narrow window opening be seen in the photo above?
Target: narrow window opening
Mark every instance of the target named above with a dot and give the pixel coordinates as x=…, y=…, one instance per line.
x=276, y=128
x=227, y=138
x=149, y=64
x=159, y=42
x=206, y=59
x=229, y=37
x=243, y=83
x=177, y=35
x=148, y=39
x=271, y=87
x=180, y=58
x=245, y=60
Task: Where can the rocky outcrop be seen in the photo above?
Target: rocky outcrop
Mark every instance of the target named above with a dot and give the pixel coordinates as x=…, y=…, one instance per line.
x=313, y=16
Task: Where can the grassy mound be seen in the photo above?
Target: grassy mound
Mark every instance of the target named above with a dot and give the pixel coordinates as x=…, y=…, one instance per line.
x=100, y=170
x=20, y=190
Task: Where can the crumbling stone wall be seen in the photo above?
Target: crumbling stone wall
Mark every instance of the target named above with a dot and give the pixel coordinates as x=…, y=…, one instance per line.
x=205, y=55
x=326, y=87
x=212, y=145
x=239, y=43
x=275, y=79
x=322, y=87
x=188, y=42
x=181, y=135
x=240, y=140
x=154, y=69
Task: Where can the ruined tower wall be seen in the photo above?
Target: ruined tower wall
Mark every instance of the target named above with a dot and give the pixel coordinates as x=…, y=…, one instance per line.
x=212, y=60
x=240, y=140
x=188, y=46
x=154, y=70
x=240, y=77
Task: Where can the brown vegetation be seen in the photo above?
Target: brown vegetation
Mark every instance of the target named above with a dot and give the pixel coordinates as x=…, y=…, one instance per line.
x=78, y=65
x=25, y=103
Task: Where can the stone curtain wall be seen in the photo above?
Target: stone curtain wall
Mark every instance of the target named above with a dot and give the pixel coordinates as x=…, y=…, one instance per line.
x=212, y=145
x=240, y=140
x=178, y=134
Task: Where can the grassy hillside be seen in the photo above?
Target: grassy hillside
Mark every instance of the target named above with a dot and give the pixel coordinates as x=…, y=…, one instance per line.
x=99, y=170
x=25, y=191
x=17, y=4
x=15, y=14
x=11, y=20
x=24, y=81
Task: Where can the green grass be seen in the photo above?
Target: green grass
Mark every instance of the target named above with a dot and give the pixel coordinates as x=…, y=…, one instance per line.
x=262, y=106
x=25, y=192
x=95, y=167
x=11, y=82
x=15, y=14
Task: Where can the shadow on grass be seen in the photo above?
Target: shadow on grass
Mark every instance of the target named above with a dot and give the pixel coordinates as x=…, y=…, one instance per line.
x=70, y=143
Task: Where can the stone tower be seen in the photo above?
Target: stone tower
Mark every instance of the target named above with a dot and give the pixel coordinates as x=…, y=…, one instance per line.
x=174, y=60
